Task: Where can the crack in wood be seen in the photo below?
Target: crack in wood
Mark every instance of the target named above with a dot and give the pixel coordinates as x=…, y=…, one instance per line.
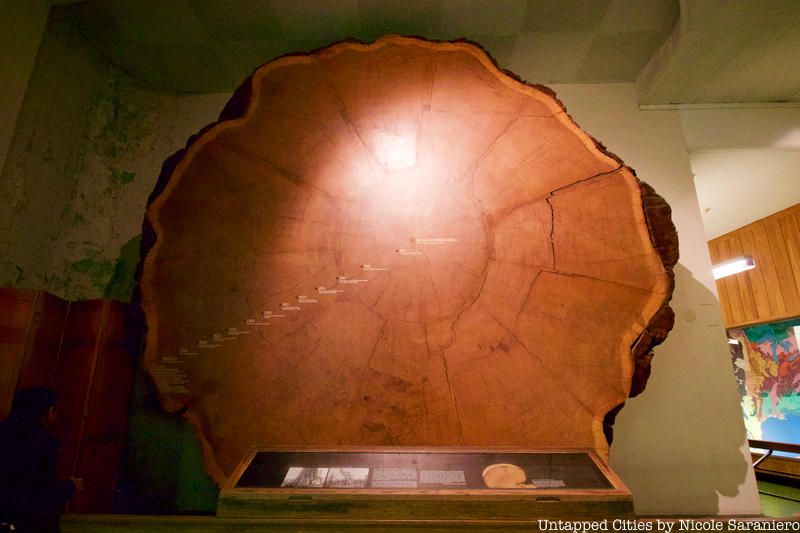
x=501, y=214
x=552, y=229
x=375, y=346
x=552, y=373
x=527, y=296
x=342, y=108
x=477, y=162
x=284, y=173
x=449, y=388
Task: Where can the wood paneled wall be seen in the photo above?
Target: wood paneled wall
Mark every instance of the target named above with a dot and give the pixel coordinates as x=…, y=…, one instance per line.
x=94, y=378
x=15, y=323
x=770, y=291
x=77, y=348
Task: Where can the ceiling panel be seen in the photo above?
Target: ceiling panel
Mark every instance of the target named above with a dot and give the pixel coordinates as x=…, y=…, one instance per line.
x=565, y=15
x=533, y=57
x=619, y=56
x=652, y=15
x=211, y=45
x=497, y=18
x=729, y=52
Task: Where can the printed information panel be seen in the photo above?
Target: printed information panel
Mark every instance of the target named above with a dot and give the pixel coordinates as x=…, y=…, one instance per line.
x=442, y=484
x=416, y=470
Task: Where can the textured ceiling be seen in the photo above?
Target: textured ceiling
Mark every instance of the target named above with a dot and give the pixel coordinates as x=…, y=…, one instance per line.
x=727, y=51
x=212, y=45
x=678, y=51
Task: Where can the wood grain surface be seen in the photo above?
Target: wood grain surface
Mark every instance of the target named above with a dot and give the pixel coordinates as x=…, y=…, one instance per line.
x=400, y=244
x=771, y=291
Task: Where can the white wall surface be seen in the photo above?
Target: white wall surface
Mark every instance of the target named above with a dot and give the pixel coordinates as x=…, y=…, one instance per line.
x=680, y=445
x=739, y=186
x=746, y=163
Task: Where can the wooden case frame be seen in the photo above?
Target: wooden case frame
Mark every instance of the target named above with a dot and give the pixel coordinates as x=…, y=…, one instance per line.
x=423, y=504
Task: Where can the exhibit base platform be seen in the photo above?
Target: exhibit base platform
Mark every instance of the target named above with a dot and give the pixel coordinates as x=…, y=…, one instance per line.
x=419, y=484
x=436, y=489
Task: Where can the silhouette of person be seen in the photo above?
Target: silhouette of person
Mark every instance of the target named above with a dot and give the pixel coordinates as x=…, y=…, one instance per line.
x=31, y=495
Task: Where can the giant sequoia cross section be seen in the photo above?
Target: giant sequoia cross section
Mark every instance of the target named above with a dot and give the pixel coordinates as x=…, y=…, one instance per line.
x=399, y=244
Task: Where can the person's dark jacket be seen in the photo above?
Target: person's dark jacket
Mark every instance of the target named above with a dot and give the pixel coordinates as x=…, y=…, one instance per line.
x=30, y=491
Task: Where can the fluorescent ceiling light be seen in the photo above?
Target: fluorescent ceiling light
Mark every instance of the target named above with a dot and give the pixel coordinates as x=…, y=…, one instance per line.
x=734, y=266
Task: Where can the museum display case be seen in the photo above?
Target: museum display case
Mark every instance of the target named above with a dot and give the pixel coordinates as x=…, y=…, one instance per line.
x=460, y=483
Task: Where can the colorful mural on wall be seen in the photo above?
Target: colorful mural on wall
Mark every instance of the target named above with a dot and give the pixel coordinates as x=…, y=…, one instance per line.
x=767, y=365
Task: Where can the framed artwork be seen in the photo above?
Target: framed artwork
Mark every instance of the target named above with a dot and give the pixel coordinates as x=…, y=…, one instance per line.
x=766, y=360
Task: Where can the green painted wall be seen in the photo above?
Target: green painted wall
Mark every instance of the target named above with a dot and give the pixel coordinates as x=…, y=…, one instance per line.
x=84, y=157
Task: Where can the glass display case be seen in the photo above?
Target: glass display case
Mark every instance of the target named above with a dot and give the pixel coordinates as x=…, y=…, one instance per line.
x=423, y=484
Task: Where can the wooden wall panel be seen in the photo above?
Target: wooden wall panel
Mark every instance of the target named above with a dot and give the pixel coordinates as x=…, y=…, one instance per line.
x=744, y=285
x=790, y=229
x=79, y=349
x=780, y=256
x=41, y=360
x=74, y=376
x=724, y=301
x=105, y=422
x=771, y=291
x=763, y=256
x=757, y=283
x=16, y=318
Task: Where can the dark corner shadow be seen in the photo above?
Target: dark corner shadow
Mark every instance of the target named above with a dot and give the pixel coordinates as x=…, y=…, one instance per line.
x=162, y=470
x=689, y=414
